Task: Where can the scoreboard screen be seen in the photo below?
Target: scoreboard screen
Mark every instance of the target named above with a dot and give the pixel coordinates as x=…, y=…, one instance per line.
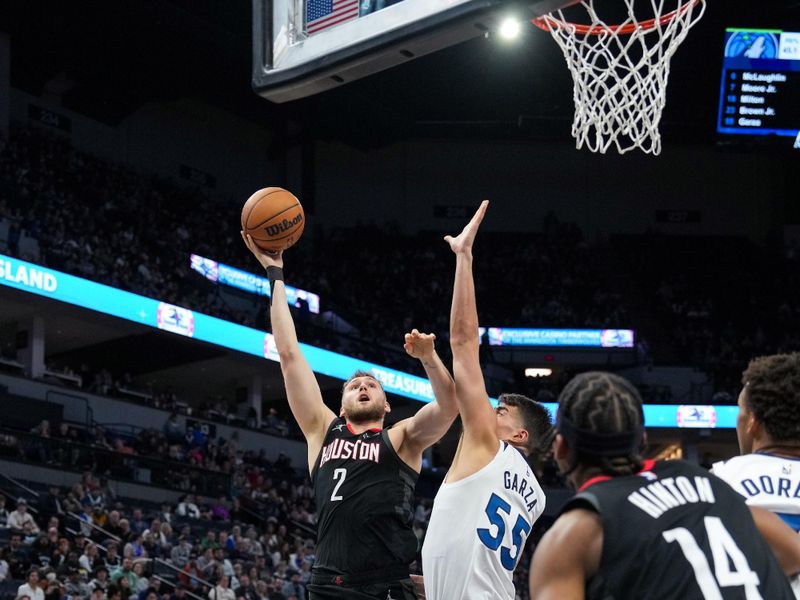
x=760, y=88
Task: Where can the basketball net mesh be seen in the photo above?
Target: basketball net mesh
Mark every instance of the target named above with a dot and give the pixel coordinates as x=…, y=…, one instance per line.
x=621, y=71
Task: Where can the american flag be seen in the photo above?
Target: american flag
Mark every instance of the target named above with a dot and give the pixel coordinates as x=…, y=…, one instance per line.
x=321, y=14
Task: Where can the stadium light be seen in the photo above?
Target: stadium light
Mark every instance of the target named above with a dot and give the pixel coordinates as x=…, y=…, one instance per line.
x=510, y=28
x=534, y=372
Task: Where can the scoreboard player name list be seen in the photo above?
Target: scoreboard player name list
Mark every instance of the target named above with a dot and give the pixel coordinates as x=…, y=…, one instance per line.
x=756, y=100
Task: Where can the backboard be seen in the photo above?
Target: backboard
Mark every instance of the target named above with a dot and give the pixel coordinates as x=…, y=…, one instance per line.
x=303, y=47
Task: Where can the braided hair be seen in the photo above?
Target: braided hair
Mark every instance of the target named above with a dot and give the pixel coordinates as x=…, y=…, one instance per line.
x=600, y=415
x=772, y=391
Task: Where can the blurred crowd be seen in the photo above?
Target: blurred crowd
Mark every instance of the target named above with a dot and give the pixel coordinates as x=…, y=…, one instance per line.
x=254, y=541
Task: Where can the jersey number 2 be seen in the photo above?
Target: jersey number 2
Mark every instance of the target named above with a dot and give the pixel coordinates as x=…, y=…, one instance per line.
x=518, y=533
x=725, y=553
x=338, y=476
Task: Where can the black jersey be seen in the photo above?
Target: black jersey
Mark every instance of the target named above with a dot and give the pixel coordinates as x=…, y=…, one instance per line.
x=677, y=531
x=364, y=494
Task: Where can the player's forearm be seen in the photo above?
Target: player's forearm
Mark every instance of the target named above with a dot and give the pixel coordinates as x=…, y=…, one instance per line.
x=444, y=389
x=464, y=310
x=282, y=324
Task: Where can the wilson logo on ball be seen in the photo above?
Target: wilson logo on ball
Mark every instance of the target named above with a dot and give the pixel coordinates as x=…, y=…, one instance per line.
x=284, y=225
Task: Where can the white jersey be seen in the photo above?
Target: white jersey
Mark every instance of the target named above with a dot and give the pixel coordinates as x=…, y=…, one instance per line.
x=478, y=529
x=767, y=481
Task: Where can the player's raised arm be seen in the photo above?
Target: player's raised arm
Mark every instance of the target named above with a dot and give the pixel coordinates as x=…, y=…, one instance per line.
x=433, y=420
x=302, y=389
x=476, y=412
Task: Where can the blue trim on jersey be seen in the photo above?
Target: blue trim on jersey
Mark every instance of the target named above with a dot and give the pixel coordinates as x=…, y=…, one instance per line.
x=773, y=455
x=792, y=521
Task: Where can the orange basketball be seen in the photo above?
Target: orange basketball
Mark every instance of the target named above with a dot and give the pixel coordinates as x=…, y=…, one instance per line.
x=274, y=218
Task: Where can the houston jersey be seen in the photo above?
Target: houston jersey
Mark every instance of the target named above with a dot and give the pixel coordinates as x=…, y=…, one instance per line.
x=768, y=481
x=364, y=494
x=677, y=531
x=478, y=529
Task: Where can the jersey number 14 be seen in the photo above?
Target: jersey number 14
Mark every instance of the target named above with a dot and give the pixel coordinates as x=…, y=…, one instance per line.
x=494, y=510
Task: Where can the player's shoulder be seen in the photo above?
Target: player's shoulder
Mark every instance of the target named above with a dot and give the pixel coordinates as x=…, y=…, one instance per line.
x=735, y=464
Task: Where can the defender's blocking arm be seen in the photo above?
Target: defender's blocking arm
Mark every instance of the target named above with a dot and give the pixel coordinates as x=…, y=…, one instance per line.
x=476, y=412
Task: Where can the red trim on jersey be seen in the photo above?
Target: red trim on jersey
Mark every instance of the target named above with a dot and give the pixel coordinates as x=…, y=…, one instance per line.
x=371, y=429
x=593, y=480
x=646, y=466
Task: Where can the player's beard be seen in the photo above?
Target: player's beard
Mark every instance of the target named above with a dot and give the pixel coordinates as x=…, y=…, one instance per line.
x=365, y=413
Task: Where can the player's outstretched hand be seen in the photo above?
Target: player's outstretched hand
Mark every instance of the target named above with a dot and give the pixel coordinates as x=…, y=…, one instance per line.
x=419, y=345
x=419, y=586
x=265, y=258
x=463, y=242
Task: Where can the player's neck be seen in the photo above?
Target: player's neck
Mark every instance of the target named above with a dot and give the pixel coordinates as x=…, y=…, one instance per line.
x=783, y=448
x=364, y=426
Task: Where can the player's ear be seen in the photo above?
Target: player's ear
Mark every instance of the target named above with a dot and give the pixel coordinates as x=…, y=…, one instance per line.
x=522, y=437
x=753, y=426
x=560, y=447
x=341, y=412
x=386, y=408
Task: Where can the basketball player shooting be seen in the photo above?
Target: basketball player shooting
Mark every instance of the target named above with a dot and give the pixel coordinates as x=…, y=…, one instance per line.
x=649, y=529
x=490, y=498
x=363, y=475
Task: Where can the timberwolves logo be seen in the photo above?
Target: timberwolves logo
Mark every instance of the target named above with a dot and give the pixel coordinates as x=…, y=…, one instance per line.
x=751, y=44
x=175, y=319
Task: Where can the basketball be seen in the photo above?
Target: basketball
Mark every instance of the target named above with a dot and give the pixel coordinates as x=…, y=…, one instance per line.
x=274, y=218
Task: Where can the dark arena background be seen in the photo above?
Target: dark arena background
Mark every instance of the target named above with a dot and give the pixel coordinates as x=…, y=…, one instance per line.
x=142, y=409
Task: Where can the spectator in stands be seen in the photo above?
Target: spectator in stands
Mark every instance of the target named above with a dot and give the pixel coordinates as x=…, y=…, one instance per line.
x=42, y=548
x=19, y=517
x=181, y=552
x=294, y=587
x=173, y=430
x=100, y=580
x=188, y=508
x=112, y=559
x=3, y=513
x=125, y=531
x=222, y=591
x=142, y=583
x=191, y=574
x=90, y=559
x=210, y=541
x=135, y=548
x=76, y=585
x=3, y=565
x=138, y=524
x=179, y=593
x=220, y=511
x=125, y=572
x=85, y=515
x=31, y=587
x=112, y=525
x=51, y=504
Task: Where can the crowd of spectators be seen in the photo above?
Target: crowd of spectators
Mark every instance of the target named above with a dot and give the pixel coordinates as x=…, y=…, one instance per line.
x=87, y=542
x=111, y=224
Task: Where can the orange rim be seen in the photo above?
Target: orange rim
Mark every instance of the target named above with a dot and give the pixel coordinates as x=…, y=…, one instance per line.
x=547, y=22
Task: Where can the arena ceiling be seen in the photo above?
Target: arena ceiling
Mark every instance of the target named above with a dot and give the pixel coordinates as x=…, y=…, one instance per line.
x=108, y=58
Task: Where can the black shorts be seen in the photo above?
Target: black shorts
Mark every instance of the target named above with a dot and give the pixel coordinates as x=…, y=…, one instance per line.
x=402, y=589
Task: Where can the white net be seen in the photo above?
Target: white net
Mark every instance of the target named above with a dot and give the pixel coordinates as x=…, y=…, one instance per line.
x=621, y=71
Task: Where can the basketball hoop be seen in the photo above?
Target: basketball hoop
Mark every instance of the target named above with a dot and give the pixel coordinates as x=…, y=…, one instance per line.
x=621, y=71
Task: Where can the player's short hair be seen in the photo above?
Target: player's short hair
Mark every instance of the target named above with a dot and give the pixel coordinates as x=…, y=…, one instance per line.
x=535, y=420
x=772, y=393
x=600, y=415
x=362, y=373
